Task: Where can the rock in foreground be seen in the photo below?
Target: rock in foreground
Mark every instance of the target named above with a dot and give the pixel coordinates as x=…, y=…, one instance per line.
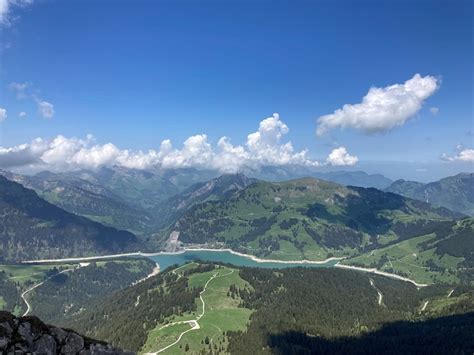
x=20, y=335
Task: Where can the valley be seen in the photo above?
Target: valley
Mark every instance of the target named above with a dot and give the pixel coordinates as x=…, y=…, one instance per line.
x=236, y=177
x=232, y=265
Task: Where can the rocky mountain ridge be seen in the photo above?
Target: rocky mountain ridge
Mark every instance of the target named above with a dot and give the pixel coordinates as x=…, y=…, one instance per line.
x=29, y=335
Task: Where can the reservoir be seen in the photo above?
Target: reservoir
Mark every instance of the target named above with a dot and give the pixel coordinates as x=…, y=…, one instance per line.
x=166, y=260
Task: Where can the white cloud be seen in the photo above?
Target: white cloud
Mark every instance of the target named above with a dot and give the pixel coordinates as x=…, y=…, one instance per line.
x=25, y=91
x=263, y=147
x=6, y=10
x=22, y=114
x=20, y=89
x=340, y=157
x=463, y=154
x=23, y=155
x=434, y=110
x=45, y=109
x=3, y=114
x=382, y=109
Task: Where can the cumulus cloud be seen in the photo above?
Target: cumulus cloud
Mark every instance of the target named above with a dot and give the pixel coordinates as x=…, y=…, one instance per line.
x=382, y=109
x=340, y=157
x=45, y=109
x=263, y=147
x=6, y=10
x=3, y=114
x=463, y=155
x=22, y=155
x=22, y=114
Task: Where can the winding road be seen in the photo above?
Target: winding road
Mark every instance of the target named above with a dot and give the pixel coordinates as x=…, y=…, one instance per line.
x=193, y=322
x=23, y=295
x=378, y=272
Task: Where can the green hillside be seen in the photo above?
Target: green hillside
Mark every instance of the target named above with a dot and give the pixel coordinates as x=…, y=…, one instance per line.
x=73, y=292
x=216, y=189
x=444, y=256
x=202, y=307
x=128, y=199
x=453, y=192
x=87, y=199
x=31, y=228
x=308, y=219
x=73, y=286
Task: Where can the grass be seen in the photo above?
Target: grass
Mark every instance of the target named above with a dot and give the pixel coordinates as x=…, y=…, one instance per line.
x=222, y=313
x=25, y=274
x=407, y=258
x=160, y=338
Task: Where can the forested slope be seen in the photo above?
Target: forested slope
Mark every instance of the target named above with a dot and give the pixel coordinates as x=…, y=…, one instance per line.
x=31, y=228
x=320, y=308
x=308, y=311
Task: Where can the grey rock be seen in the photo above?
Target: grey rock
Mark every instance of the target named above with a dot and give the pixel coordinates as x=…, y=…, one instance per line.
x=4, y=343
x=6, y=329
x=29, y=335
x=45, y=345
x=73, y=344
x=24, y=330
x=58, y=333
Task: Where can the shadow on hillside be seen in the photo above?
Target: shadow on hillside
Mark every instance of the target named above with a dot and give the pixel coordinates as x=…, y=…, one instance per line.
x=445, y=335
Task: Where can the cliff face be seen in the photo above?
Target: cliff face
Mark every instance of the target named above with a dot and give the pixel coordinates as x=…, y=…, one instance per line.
x=20, y=335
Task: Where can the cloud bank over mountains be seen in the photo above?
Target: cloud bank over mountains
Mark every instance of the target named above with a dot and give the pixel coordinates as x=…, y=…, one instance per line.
x=382, y=109
x=263, y=147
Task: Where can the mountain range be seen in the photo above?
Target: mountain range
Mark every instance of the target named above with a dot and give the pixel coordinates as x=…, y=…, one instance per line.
x=308, y=219
x=137, y=200
x=305, y=218
x=453, y=192
x=239, y=309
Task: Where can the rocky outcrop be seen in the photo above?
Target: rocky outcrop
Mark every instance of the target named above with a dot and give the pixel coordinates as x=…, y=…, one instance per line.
x=29, y=335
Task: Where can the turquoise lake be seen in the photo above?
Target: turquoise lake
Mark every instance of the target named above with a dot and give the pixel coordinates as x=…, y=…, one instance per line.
x=166, y=260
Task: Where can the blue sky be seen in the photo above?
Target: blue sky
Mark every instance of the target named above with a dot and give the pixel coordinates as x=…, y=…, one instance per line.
x=134, y=73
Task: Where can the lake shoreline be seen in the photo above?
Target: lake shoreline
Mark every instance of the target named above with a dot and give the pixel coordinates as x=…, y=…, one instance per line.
x=182, y=251
x=247, y=256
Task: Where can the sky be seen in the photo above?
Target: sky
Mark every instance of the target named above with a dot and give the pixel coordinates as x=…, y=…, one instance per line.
x=379, y=86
